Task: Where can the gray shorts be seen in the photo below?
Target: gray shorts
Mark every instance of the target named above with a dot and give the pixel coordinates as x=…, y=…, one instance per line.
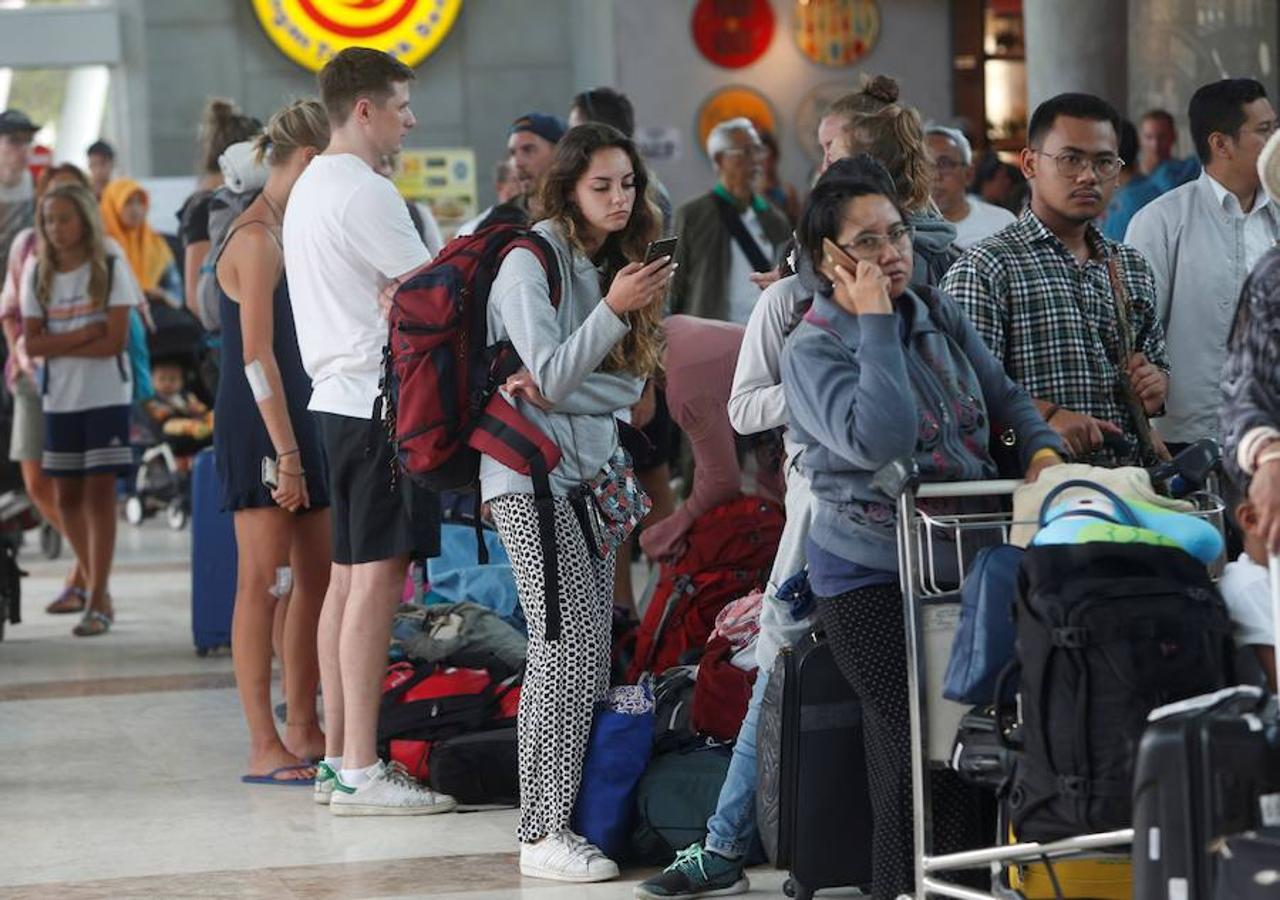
x=26, y=443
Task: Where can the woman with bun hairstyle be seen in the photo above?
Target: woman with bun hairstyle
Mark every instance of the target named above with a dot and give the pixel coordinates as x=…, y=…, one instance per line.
x=221, y=126
x=584, y=360
x=261, y=414
x=871, y=120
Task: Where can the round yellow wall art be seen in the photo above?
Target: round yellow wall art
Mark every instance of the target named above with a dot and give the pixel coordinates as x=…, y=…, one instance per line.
x=311, y=32
x=730, y=103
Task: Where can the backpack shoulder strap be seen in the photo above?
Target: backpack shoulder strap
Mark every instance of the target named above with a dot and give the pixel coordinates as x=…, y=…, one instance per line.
x=546, y=254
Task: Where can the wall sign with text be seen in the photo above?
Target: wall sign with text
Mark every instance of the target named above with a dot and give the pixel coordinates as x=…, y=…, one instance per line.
x=311, y=32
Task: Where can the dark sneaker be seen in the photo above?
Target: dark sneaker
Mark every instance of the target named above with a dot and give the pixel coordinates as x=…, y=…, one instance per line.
x=696, y=873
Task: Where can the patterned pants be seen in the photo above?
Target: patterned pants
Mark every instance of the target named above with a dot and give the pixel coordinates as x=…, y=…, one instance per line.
x=869, y=643
x=564, y=678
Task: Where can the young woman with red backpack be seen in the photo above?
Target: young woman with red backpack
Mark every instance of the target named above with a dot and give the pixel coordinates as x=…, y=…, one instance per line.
x=584, y=360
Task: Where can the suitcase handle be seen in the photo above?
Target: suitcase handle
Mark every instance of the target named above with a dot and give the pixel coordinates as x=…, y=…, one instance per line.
x=1248, y=696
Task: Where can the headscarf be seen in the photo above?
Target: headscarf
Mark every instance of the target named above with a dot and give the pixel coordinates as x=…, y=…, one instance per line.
x=148, y=253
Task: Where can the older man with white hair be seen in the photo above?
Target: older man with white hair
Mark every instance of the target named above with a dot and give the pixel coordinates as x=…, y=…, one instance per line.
x=973, y=217
x=727, y=234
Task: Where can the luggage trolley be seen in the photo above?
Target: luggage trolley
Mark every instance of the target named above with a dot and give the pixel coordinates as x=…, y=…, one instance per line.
x=933, y=551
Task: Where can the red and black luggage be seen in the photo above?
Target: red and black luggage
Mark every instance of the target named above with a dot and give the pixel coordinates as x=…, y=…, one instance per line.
x=427, y=704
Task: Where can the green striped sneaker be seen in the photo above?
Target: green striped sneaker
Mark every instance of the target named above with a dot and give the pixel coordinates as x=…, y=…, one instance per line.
x=326, y=783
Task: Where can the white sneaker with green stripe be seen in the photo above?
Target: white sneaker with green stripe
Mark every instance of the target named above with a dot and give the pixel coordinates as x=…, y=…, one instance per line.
x=326, y=782
x=390, y=791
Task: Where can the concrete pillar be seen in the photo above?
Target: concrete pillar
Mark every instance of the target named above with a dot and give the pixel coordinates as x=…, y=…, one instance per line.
x=1077, y=45
x=591, y=30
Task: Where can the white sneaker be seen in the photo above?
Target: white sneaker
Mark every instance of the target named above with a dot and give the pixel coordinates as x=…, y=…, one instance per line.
x=566, y=857
x=391, y=791
x=326, y=780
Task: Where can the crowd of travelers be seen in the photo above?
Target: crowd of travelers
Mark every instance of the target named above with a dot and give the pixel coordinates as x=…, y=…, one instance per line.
x=1100, y=300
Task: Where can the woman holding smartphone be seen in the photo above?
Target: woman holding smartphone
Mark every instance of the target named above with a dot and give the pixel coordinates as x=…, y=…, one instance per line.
x=585, y=360
x=270, y=463
x=877, y=371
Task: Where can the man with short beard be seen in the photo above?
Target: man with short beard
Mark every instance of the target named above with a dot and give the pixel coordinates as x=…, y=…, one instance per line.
x=1045, y=293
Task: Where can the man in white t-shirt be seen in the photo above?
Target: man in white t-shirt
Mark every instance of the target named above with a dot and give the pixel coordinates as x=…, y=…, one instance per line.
x=973, y=218
x=348, y=240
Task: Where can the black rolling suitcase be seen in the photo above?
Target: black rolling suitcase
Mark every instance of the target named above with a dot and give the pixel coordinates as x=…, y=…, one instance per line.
x=822, y=808
x=1248, y=866
x=1207, y=767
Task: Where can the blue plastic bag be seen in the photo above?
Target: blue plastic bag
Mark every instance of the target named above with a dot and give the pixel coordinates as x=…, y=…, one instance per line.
x=617, y=756
x=984, y=642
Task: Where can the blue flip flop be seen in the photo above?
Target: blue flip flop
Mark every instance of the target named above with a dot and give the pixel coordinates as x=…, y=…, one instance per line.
x=270, y=777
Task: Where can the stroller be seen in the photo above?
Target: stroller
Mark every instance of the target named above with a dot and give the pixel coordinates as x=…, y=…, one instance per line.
x=166, y=439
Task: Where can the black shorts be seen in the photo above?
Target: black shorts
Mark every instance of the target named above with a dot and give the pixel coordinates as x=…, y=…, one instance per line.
x=378, y=513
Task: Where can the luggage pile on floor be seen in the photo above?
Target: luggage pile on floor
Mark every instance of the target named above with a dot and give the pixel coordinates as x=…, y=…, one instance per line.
x=452, y=693
x=694, y=662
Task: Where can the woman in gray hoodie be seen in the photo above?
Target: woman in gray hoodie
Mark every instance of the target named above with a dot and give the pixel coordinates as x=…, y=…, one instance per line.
x=876, y=371
x=584, y=360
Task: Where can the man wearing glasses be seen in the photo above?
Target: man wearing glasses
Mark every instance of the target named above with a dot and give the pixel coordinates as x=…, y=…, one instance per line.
x=1202, y=240
x=728, y=234
x=973, y=217
x=1070, y=313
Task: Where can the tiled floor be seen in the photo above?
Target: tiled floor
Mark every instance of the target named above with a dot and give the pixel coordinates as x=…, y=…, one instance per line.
x=119, y=765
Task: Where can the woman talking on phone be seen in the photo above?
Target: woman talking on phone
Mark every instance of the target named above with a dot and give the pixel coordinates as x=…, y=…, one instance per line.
x=877, y=371
x=584, y=359
x=270, y=464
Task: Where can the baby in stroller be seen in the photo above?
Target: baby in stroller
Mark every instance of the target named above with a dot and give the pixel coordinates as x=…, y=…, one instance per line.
x=171, y=427
x=178, y=413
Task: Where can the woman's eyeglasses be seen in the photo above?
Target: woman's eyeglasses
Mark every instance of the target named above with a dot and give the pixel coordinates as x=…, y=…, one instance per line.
x=868, y=247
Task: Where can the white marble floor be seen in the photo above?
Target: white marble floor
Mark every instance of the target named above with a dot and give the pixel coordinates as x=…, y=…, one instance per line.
x=134, y=791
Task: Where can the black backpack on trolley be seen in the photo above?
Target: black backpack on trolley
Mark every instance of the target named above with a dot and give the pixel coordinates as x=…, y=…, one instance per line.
x=1106, y=632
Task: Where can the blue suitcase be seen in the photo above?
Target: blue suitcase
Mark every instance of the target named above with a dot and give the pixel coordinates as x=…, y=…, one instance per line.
x=213, y=559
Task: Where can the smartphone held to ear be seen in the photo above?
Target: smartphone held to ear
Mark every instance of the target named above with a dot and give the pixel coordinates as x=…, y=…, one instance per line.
x=659, y=249
x=833, y=256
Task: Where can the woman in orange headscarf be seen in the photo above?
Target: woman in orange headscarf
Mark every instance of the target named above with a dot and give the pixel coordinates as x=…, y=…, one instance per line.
x=124, y=217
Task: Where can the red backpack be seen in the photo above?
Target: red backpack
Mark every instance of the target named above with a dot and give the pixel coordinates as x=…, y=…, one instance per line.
x=426, y=704
x=441, y=378
x=730, y=551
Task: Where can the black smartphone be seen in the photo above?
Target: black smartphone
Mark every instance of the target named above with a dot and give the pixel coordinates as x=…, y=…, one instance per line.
x=659, y=249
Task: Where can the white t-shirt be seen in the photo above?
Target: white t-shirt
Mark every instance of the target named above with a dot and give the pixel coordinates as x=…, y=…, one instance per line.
x=743, y=294
x=347, y=233
x=984, y=220
x=1246, y=588
x=78, y=383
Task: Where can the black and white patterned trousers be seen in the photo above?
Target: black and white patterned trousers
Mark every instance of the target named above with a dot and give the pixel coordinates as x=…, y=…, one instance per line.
x=869, y=643
x=565, y=677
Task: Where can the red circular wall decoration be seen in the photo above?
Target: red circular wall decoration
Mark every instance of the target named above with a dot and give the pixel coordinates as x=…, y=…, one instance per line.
x=733, y=33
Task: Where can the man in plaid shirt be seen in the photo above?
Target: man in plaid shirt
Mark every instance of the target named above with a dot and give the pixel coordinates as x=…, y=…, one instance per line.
x=1041, y=294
